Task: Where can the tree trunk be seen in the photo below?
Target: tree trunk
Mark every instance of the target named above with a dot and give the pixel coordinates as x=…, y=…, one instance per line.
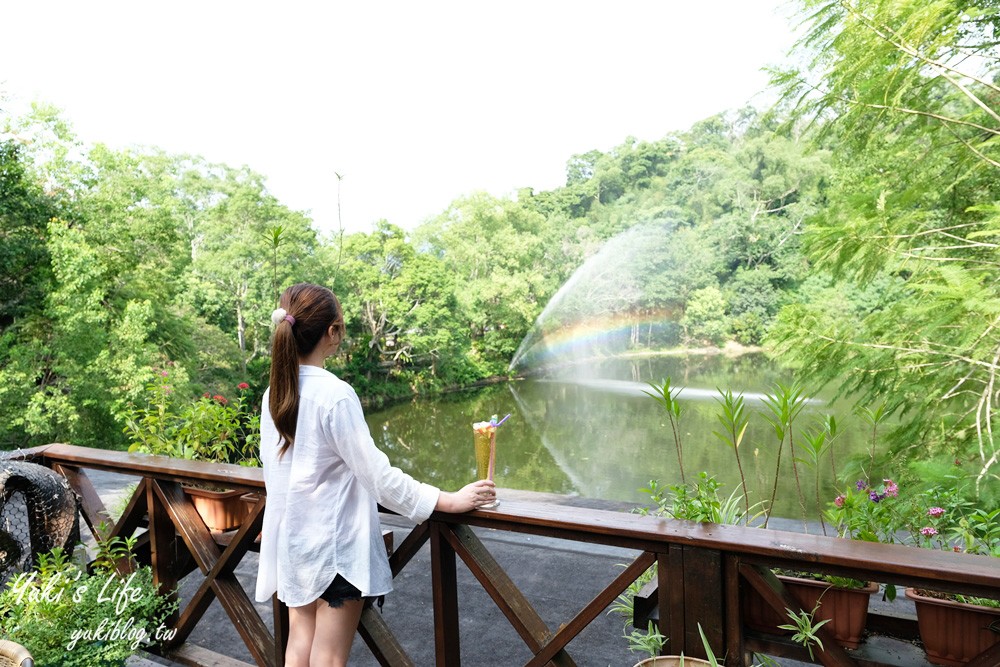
x=241, y=325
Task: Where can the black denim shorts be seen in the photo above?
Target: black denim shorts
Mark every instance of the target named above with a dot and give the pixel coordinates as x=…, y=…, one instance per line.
x=339, y=592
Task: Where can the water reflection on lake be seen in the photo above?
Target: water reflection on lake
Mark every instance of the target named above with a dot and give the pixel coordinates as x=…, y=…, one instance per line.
x=590, y=431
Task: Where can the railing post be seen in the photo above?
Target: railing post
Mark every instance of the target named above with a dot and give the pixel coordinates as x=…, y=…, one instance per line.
x=163, y=546
x=734, y=611
x=669, y=566
x=705, y=602
x=444, y=581
x=690, y=581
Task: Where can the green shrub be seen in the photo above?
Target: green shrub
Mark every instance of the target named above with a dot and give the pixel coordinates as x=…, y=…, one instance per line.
x=208, y=428
x=65, y=615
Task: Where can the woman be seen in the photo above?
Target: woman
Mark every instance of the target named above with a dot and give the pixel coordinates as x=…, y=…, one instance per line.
x=321, y=544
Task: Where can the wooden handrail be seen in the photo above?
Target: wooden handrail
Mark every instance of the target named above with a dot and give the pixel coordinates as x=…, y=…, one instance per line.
x=892, y=563
x=161, y=467
x=705, y=569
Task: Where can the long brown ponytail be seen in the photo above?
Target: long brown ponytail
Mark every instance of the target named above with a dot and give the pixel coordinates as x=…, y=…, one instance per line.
x=311, y=310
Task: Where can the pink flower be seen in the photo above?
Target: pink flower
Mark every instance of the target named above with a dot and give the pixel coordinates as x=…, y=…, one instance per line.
x=839, y=500
x=242, y=385
x=928, y=531
x=891, y=489
x=935, y=512
x=220, y=399
x=164, y=373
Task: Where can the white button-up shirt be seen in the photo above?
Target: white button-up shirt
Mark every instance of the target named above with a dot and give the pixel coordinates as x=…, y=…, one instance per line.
x=321, y=518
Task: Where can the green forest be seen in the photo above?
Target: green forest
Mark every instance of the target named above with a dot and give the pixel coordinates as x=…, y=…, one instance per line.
x=852, y=230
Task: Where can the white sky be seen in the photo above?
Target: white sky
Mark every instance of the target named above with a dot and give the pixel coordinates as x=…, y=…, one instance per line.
x=414, y=103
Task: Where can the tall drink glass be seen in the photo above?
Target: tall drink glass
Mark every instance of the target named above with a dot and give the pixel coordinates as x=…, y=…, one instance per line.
x=484, y=435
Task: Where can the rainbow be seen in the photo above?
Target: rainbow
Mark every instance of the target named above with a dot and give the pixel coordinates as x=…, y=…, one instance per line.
x=594, y=336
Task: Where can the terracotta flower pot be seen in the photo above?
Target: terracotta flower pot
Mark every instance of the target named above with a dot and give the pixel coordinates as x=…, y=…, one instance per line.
x=250, y=500
x=220, y=510
x=671, y=661
x=954, y=632
x=846, y=608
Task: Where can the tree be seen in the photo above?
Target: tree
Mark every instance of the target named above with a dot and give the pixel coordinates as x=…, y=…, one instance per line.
x=507, y=263
x=100, y=309
x=24, y=216
x=246, y=247
x=705, y=319
x=401, y=308
x=906, y=92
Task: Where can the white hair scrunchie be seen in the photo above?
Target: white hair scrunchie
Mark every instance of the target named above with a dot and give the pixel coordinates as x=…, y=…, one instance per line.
x=281, y=315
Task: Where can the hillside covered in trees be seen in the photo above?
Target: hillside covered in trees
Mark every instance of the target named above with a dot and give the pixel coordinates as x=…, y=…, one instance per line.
x=852, y=229
x=124, y=263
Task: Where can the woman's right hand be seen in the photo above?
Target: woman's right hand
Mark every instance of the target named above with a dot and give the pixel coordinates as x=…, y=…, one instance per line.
x=469, y=497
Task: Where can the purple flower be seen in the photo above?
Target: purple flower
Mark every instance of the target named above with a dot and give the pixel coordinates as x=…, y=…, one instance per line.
x=935, y=512
x=891, y=489
x=839, y=500
x=861, y=485
x=875, y=496
x=928, y=531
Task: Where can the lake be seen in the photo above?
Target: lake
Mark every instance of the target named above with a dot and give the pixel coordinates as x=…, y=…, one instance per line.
x=588, y=430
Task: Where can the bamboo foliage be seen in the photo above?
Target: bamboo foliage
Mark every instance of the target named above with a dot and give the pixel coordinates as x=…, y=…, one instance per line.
x=907, y=91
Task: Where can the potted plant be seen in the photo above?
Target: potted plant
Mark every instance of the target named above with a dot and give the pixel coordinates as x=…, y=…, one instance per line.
x=954, y=629
x=804, y=626
x=652, y=643
x=841, y=602
x=697, y=500
x=209, y=428
x=957, y=628
x=66, y=614
x=862, y=512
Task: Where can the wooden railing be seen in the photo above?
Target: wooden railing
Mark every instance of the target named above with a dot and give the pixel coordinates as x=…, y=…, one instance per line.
x=703, y=570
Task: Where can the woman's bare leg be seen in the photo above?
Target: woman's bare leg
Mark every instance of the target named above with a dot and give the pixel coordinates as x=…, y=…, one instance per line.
x=301, y=630
x=334, y=633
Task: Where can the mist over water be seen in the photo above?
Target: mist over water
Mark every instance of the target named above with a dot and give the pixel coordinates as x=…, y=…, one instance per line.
x=632, y=388
x=607, y=306
x=581, y=421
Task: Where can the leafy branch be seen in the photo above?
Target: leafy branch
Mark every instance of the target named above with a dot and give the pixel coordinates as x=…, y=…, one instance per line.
x=667, y=398
x=734, y=426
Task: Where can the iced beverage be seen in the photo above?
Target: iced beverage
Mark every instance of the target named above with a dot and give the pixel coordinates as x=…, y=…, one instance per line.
x=485, y=438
